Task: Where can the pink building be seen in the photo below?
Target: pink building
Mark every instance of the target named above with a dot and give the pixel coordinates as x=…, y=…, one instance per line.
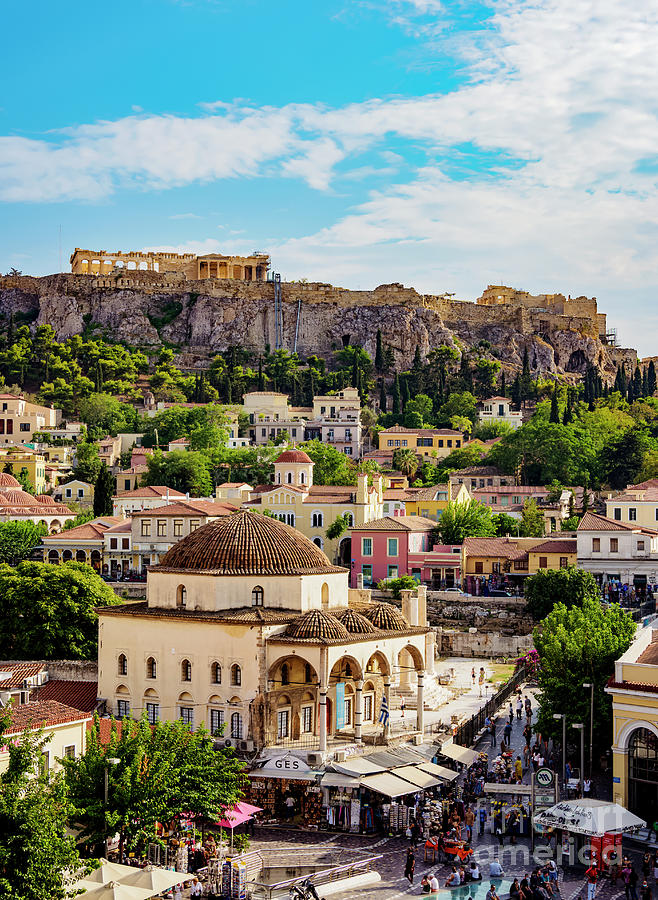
x=401, y=545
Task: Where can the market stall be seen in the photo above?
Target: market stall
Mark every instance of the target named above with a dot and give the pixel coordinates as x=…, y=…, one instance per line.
x=286, y=789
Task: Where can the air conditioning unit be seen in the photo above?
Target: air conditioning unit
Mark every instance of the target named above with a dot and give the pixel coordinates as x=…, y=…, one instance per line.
x=340, y=755
x=224, y=743
x=418, y=739
x=246, y=746
x=314, y=759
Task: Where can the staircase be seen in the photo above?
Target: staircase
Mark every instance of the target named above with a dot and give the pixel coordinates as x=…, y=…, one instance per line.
x=434, y=695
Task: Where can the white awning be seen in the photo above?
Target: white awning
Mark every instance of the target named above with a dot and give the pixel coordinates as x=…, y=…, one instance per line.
x=460, y=754
x=439, y=771
x=591, y=817
x=416, y=776
x=358, y=765
x=387, y=784
x=492, y=788
x=337, y=779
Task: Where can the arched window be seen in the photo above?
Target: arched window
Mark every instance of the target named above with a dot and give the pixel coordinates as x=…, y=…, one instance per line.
x=186, y=670
x=325, y=595
x=123, y=664
x=290, y=519
x=318, y=542
x=236, y=674
x=257, y=596
x=302, y=478
x=289, y=477
x=348, y=670
x=643, y=772
x=181, y=596
x=151, y=668
x=216, y=673
x=285, y=674
x=349, y=518
x=317, y=520
x=236, y=725
x=308, y=673
x=278, y=477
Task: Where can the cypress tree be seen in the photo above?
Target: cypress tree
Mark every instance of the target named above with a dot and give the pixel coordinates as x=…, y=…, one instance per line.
x=383, y=399
x=617, y=384
x=261, y=377
x=397, y=397
x=311, y=386
x=651, y=379
x=605, y=389
x=629, y=392
x=585, y=494
x=10, y=330
x=526, y=377
x=516, y=389
x=567, y=415
x=355, y=370
x=637, y=383
x=379, y=352
x=103, y=491
x=406, y=394
x=503, y=386
x=229, y=390
x=555, y=409
x=622, y=380
x=645, y=383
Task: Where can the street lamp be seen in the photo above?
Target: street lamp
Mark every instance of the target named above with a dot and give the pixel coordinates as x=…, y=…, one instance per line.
x=564, y=749
x=581, y=728
x=591, y=724
x=109, y=761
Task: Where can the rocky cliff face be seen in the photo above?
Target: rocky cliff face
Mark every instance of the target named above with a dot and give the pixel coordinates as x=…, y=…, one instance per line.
x=202, y=318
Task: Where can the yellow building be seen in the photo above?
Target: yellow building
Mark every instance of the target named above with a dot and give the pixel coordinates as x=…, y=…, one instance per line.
x=84, y=543
x=430, y=443
x=511, y=560
x=23, y=461
x=637, y=505
x=19, y=419
x=430, y=502
x=311, y=508
x=64, y=726
x=634, y=692
x=75, y=491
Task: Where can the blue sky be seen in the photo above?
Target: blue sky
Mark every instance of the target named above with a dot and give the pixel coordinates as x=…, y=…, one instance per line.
x=445, y=145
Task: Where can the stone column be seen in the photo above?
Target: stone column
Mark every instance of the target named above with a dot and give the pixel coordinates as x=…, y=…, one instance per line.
x=358, y=708
x=387, y=694
x=420, y=712
x=323, y=699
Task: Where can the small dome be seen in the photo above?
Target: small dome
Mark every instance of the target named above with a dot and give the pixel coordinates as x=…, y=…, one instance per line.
x=46, y=499
x=8, y=481
x=317, y=624
x=387, y=617
x=247, y=543
x=293, y=456
x=355, y=622
x=18, y=497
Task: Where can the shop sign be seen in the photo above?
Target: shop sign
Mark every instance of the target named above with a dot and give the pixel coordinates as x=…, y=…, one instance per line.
x=340, y=705
x=544, y=777
x=285, y=765
x=313, y=789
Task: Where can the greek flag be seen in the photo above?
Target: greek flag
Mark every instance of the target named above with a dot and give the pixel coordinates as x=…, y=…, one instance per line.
x=383, y=716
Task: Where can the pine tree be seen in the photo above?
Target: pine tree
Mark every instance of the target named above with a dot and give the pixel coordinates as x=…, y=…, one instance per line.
x=383, y=399
x=103, y=492
x=651, y=379
x=555, y=409
x=397, y=397
x=379, y=353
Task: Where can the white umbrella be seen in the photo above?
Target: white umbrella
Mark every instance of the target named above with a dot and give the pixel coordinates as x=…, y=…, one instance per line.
x=115, y=891
x=106, y=872
x=591, y=817
x=157, y=880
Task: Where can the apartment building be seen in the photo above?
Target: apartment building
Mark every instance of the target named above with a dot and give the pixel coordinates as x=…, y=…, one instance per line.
x=617, y=553
x=19, y=419
x=430, y=443
x=637, y=505
x=499, y=409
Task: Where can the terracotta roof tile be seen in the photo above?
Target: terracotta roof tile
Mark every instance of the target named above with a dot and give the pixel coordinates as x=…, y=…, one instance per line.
x=189, y=508
x=494, y=547
x=45, y=713
x=246, y=616
x=398, y=523
x=318, y=624
x=76, y=694
x=558, y=545
x=293, y=456
x=594, y=522
x=89, y=531
x=152, y=490
x=12, y=675
x=479, y=470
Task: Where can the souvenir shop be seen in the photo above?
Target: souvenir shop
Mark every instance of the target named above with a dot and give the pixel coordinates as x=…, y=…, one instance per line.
x=286, y=789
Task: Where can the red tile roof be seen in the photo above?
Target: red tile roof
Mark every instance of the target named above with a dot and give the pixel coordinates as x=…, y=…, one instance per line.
x=650, y=655
x=495, y=547
x=559, y=545
x=80, y=695
x=12, y=675
x=594, y=522
x=44, y=713
x=399, y=523
x=190, y=508
x=89, y=531
x=152, y=490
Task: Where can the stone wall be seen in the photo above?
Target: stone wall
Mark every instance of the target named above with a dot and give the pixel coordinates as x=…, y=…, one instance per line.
x=486, y=645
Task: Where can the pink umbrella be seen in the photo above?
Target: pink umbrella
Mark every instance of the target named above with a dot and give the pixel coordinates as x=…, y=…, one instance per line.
x=237, y=815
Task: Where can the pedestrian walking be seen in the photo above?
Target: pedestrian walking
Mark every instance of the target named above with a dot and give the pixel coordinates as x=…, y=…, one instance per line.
x=626, y=878
x=410, y=865
x=483, y=819
x=591, y=875
x=511, y=713
x=519, y=708
x=633, y=883
x=402, y=706
x=473, y=675
x=493, y=731
x=507, y=732
x=518, y=769
x=498, y=827
x=587, y=787
x=527, y=733
x=645, y=891
x=469, y=819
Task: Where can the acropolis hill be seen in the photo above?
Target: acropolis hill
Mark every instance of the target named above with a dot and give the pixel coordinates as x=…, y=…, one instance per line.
x=204, y=304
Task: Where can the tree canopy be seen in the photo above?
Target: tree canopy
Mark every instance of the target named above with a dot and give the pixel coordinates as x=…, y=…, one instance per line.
x=462, y=520
x=570, y=586
x=331, y=466
x=18, y=540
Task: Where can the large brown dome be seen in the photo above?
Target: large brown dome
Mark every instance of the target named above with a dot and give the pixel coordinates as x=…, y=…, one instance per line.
x=293, y=456
x=355, y=622
x=387, y=617
x=8, y=481
x=247, y=543
x=317, y=624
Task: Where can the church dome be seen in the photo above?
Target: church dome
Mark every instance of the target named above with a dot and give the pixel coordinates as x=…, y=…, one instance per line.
x=387, y=617
x=8, y=481
x=45, y=499
x=18, y=497
x=247, y=543
x=355, y=622
x=317, y=624
x=293, y=456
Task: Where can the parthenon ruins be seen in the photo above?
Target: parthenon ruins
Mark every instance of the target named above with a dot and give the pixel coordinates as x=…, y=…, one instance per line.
x=212, y=265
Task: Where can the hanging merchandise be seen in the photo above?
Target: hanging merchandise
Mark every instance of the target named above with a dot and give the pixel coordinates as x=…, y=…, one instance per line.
x=355, y=814
x=238, y=880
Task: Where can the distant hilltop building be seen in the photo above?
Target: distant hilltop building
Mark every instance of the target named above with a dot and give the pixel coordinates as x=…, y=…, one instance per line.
x=212, y=265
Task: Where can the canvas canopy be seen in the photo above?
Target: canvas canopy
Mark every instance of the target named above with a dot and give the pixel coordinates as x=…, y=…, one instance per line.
x=416, y=776
x=460, y=754
x=388, y=784
x=154, y=879
x=590, y=817
x=439, y=771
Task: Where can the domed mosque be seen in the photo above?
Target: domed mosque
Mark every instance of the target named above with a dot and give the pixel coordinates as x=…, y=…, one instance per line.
x=247, y=626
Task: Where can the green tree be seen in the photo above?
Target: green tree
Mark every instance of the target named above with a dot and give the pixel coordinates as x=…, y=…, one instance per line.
x=164, y=770
x=24, y=480
x=80, y=519
x=505, y=524
x=555, y=409
x=397, y=585
x=379, y=353
x=532, y=520
x=87, y=462
x=397, y=396
x=570, y=524
x=103, y=492
x=651, y=379
x=187, y=471
x=458, y=404
x=49, y=612
x=577, y=645
x=623, y=459
x=569, y=586
x=405, y=461
x=18, y=540
x=35, y=846
x=462, y=520
x=331, y=466
x=338, y=527
x=107, y=413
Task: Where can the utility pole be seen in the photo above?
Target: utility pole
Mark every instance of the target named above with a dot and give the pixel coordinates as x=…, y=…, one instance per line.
x=591, y=725
x=581, y=728
x=564, y=750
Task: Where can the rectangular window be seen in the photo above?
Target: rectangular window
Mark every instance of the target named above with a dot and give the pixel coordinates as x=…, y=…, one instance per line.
x=366, y=546
x=125, y=543
x=392, y=572
x=640, y=545
x=390, y=443
x=564, y=562
x=392, y=545
x=348, y=451
x=404, y=442
x=162, y=528
x=282, y=723
x=458, y=443
x=440, y=442
x=348, y=711
x=126, y=484
x=68, y=492
x=69, y=752
x=543, y=562
x=2, y=426
x=596, y=545
x=10, y=426
x=187, y=715
x=216, y=720
x=479, y=568
x=294, y=432
x=367, y=708
x=146, y=528
x=614, y=545
x=449, y=442
x=617, y=513
x=123, y=708
x=178, y=528
x=114, y=543
x=81, y=493
x=632, y=514
x=366, y=571
x=194, y=524
x=153, y=713
x=307, y=719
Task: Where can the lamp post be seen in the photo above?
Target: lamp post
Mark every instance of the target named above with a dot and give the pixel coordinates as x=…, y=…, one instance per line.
x=591, y=724
x=581, y=728
x=109, y=761
x=564, y=750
